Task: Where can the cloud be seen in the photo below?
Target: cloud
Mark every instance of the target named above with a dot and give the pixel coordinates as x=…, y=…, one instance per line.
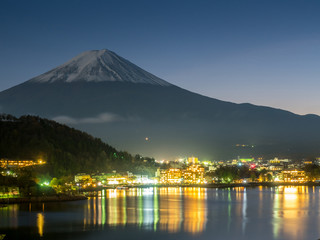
x=65, y=119
x=101, y=118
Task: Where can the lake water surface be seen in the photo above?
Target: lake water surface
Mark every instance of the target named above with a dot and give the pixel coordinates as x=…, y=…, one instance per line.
x=260, y=213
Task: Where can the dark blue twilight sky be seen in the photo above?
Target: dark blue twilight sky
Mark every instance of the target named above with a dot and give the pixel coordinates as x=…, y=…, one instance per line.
x=265, y=52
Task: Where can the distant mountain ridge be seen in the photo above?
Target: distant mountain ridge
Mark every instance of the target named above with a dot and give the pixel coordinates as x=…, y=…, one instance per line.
x=109, y=97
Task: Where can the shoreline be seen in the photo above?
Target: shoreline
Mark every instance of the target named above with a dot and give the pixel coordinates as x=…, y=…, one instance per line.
x=253, y=184
x=42, y=199
x=65, y=198
x=211, y=185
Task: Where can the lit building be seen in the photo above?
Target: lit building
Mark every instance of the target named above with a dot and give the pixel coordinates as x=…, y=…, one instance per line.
x=82, y=178
x=234, y=162
x=212, y=168
x=246, y=160
x=117, y=180
x=171, y=176
x=306, y=162
x=275, y=168
x=141, y=179
x=266, y=177
x=6, y=163
x=194, y=175
x=278, y=161
x=206, y=163
x=99, y=178
x=193, y=160
x=275, y=160
x=294, y=176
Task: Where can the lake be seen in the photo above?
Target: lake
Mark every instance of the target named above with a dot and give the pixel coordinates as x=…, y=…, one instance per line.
x=262, y=213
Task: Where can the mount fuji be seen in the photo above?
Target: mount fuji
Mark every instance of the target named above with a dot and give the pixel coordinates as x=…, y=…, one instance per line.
x=109, y=97
x=99, y=66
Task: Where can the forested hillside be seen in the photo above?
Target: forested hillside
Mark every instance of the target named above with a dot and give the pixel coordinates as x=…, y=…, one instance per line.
x=66, y=150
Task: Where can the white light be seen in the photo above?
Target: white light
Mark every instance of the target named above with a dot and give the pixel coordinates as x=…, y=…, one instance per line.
x=112, y=182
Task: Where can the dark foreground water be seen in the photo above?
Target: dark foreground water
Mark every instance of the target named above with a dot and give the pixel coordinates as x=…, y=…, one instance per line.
x=172, y=213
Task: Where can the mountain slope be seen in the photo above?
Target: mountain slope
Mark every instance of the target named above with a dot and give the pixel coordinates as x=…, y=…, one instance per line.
x=175, y=121
x=66, y=150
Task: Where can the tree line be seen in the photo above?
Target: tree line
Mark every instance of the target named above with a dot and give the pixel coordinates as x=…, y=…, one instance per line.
x=66, y=150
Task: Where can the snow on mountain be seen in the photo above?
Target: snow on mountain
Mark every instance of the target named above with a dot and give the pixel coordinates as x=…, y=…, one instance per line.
x=99, y=66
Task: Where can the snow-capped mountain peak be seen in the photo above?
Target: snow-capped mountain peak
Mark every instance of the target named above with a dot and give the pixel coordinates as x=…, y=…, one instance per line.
x=99, y=66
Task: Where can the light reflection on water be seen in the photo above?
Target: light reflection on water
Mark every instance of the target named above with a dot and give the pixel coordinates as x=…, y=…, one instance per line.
x=40, y=223
x=291, y=206
x=165, y=209
x=278, y=213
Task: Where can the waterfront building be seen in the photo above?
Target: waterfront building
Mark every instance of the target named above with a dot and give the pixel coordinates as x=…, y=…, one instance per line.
x=171, y=176
x=294, y=176
x=141, y=179
x=115, y=180
x=194, y=174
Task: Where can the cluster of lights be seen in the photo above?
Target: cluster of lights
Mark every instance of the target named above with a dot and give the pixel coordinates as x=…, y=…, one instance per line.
x=4, y=163
x=46, y=183
x=192, y=175
x=85, y=180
